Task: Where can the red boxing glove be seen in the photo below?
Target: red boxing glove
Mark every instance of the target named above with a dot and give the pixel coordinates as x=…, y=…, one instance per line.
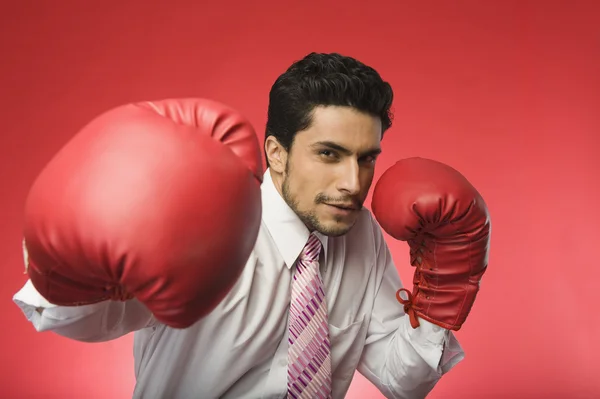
x=157, y=200
x=446, y=223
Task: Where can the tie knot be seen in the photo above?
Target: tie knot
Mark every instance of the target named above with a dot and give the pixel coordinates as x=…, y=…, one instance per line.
x=311, y=250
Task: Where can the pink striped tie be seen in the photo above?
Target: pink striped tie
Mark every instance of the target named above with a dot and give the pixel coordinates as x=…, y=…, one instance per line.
x=309, y=360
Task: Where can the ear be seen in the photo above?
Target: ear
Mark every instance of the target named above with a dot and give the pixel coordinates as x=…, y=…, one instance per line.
x=276, y=154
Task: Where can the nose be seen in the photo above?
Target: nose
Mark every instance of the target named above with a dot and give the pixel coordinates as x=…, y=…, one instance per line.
x=349, y=179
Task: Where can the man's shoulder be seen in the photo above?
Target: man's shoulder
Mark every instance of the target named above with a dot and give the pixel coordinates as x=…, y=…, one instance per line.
x=367, y=220
x=361, y=245
x=366, y=226
x=367, y=230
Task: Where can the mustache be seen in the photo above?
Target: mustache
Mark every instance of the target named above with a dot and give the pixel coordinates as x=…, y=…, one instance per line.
x=346, y=201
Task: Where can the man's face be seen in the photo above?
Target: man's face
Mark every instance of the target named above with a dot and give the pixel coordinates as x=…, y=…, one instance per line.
x=329, y=168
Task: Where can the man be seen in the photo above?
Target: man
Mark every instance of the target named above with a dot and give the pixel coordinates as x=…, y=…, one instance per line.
x=327, y=115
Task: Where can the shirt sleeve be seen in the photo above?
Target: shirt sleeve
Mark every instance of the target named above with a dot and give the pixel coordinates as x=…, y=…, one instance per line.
x=99, y=322
x=400, y=361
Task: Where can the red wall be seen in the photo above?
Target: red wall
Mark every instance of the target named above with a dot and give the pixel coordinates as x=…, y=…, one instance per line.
x=508, y=92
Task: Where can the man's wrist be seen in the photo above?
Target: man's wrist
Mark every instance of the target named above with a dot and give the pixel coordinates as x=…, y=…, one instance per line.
x=428, y=332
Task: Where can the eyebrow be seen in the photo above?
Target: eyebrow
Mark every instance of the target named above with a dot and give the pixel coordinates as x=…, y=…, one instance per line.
x=334, y=146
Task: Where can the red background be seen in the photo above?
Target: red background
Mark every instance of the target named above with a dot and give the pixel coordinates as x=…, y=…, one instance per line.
x=508, y=92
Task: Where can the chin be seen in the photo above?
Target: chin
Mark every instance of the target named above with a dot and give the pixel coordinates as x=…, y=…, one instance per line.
x=335, y=229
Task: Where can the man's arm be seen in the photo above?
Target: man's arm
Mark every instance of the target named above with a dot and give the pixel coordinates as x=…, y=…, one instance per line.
x=102, y=321
x=446, y=223
x=403, y=362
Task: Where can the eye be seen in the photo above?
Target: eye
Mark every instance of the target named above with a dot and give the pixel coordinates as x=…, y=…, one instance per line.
x=327, y=153
x=370, y=159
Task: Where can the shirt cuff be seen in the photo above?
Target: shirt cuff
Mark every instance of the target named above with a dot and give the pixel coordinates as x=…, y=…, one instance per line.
x=29, y=296
x=30, y=301
x=436, y=345
x=428, y=333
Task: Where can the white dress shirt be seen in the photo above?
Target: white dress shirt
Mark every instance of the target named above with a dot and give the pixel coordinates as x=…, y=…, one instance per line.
x=240, y=349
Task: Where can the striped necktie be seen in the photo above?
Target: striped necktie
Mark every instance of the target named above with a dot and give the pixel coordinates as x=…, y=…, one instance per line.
x=309, y=360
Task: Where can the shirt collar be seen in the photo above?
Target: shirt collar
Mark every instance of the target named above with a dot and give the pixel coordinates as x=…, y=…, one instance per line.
x=287, y=230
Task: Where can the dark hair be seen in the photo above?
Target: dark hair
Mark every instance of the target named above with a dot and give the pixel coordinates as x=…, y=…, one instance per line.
x=324, y=79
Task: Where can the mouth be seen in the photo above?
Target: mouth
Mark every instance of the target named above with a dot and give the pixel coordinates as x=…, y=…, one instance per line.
x=349, y=207
x=345, y=208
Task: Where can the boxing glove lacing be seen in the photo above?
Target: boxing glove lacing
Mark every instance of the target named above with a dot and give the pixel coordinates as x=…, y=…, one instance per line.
x=417, y=252
x=408, y=307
